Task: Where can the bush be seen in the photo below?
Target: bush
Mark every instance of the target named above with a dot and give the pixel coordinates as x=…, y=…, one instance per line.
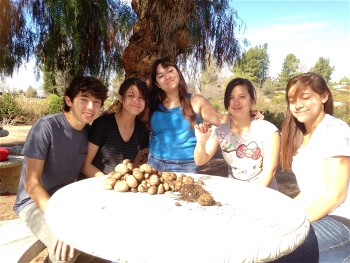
x=54, y=104
x=275, y=118
x=343, y=112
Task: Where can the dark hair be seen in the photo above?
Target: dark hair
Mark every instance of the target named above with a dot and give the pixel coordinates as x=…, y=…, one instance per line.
x=158, y=95
x=142, y=88
x=293, y=130
x=86, y=85
x=235, y=82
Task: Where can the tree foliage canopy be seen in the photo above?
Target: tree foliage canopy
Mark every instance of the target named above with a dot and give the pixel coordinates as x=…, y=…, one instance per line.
x=253, y=65
x=290, y=68
x=101, y=37
x=323, y=68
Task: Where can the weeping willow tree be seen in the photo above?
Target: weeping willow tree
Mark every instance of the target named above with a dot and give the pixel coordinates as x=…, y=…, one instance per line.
x=102, y=37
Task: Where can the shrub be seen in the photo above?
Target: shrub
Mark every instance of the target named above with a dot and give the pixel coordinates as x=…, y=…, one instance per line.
x=274, y=117
x=54, y=104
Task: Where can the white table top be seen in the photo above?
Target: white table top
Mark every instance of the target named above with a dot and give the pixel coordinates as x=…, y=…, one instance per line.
x=254, y=223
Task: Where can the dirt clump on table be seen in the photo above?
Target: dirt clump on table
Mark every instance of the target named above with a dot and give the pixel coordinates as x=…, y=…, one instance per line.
x=196, y=193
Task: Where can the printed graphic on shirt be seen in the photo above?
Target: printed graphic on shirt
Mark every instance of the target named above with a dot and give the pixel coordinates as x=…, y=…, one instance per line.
x=244, y=158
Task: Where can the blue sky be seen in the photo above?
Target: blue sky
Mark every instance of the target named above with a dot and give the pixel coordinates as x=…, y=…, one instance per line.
x=307, y=29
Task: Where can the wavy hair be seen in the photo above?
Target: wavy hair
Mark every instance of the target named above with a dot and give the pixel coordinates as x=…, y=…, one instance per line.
x=85, y=85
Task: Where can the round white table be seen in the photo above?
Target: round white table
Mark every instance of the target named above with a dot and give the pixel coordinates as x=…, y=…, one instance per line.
x=254, y=223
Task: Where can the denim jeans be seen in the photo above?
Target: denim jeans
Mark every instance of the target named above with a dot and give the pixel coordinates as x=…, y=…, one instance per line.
x=176, y=166
x=327, y=242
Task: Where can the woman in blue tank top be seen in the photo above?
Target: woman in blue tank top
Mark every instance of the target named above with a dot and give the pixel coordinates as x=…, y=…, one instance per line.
x=174, y=112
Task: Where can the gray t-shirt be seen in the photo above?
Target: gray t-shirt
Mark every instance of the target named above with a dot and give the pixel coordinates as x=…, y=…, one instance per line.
x=62, y=147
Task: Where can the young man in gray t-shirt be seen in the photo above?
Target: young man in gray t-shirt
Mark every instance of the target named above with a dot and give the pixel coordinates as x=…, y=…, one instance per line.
x=54, y=153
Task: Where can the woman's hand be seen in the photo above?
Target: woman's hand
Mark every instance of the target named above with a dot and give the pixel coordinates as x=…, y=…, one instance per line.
x=202, y=132
x=256, y=114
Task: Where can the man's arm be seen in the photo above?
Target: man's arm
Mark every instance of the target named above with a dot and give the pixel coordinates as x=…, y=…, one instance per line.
x=40, y=196
x=32, y=182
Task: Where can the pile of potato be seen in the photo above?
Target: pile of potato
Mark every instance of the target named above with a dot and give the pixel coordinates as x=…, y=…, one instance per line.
x=144, y=179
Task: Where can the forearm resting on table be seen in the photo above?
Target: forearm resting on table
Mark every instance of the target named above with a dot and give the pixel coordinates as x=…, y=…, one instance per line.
x=90, y=170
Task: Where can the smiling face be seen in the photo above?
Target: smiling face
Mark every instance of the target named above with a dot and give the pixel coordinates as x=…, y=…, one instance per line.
x=240, y=102
x=167, y=79
x=133, y=101
x=307, y=107
x=84, y=108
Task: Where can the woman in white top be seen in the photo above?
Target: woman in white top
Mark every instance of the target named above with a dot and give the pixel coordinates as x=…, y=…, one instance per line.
x=316, y=146
x=250, y=147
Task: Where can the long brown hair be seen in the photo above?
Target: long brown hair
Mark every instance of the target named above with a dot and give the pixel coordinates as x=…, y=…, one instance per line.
x=293, y=130
x=158, y=95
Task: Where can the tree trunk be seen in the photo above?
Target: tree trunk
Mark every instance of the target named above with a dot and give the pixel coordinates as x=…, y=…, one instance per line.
x=161, y=30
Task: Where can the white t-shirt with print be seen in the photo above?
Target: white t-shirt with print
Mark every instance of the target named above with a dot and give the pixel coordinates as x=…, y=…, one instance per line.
x=244, y=154
x=330, y=138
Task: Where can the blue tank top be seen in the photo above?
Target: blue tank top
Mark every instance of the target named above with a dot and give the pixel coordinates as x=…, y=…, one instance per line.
x=172, y=138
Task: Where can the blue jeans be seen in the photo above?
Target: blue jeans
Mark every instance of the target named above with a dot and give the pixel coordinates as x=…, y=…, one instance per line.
x=176, y=166
x=327, y=242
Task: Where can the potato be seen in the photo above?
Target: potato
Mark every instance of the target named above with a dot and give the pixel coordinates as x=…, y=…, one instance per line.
x=205, y=199
x=122, y=169
x=146, y=168
x=134, y=190
x=110, y=181
x=130, y=166
x=152, y=190
x=167, y=176
x=139, y=175
x=121, y=186
x=188, y=180
x=160, y=189
x=173, y=175
x=178, y=185
x=153, y=170
x=146, y=175
x=115, y=175
x=126, y=161
x=108, y=187
x=131, y=181
x=172, y=185
x=200, y=182
x=154, y=180
x=166, y=186
x=142, y=188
